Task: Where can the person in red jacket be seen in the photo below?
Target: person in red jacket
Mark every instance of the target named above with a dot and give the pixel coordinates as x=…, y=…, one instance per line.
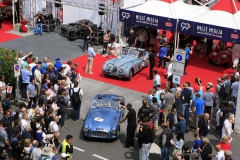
x=225, y=145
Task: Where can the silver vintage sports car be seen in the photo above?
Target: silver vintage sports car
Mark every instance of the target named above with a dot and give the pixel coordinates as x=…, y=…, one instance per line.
x=129, y=62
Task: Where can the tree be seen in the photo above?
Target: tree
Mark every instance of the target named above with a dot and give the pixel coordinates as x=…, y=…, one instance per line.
x=7, y=60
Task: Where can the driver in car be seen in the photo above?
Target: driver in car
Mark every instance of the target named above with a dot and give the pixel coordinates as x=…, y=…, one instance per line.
x=120, y=103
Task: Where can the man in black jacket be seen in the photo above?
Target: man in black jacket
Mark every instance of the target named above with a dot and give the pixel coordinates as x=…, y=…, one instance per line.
x=205, y=149
x=165, y=141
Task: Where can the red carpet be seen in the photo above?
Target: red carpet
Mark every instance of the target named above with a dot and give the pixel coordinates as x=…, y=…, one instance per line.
x=7, y=26
x=197, y=68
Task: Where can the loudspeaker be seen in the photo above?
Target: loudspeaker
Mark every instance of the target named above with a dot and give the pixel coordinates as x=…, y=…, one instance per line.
x=100, y=8
x=97, y=40
x=57, y=5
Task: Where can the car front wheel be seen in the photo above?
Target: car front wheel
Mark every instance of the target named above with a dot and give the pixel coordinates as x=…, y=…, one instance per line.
x=117, y=133
x=130, y=75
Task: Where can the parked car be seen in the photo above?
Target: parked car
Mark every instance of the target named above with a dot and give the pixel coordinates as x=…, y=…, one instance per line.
x=126, y=64
x=103, y=116
x=223, y=57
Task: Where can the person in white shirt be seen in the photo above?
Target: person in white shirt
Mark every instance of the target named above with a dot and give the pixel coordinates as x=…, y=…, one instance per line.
x=35, y=60
x=68, y=68
x=227, y=126
x=156, y=79
x=2, y=90
x=169, y=71
x=76, y=106
x=24, y=121
x=234, y=87
x=20, y=57
x=38, y=77
x=54, y=129
x=220, y=153
x=142, y=37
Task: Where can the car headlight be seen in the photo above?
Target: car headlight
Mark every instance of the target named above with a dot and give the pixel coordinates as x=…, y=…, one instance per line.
x=113, y=131
x=85, y=129
x=120, y=70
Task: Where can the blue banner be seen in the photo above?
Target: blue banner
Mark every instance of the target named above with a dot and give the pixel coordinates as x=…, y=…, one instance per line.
x=148, y=20
x=126, y=16
x=186, y=26
x=210, y=31
x=233, y=36
x=168, y=24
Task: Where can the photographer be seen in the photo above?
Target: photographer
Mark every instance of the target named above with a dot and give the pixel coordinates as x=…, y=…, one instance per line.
x=145, y=134
x=39, y=22
x=106, y=39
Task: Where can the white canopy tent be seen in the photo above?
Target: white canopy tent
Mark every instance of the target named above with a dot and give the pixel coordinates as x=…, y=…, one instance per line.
x=169, y=9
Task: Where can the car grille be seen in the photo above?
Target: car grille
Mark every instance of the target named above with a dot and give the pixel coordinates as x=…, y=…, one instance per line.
x=115, y=70
x=218, y=60
x=99, y=134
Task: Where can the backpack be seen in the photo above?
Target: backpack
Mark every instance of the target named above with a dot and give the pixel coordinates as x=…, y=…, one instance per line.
x=27, y=156
x=75, y=96
x=187, y=154
x=44, y=157
x=222, y=92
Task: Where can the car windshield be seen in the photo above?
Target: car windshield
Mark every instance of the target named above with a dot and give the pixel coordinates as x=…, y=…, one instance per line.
x=105, y=103
x=130, y=52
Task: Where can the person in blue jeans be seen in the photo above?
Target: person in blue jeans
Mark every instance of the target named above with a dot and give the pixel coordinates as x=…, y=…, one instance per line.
x=165, y=141
x=185, y=98
x=76, y=103
x=39, y=22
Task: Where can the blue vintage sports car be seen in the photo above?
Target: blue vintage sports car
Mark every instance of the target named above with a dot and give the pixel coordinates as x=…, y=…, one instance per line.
x=103, y=117
x=126, y=64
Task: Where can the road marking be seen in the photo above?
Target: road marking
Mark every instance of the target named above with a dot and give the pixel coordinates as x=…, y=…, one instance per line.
x=95, y=155
x=79, y=149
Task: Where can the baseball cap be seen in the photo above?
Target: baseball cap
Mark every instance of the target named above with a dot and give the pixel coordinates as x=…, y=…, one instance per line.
x=197, y=89
x=15, y=131
x=45, y=86
x=129, y=105
x=57, y=59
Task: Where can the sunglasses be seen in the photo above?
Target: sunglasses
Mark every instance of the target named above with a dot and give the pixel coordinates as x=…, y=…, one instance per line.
x=2, y=77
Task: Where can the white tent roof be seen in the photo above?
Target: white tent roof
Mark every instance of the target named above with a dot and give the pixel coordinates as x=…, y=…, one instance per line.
x=175, y=10
x=223, y=14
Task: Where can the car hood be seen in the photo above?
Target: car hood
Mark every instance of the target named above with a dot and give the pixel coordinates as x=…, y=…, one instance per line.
x=120, y=60
x=101, y=117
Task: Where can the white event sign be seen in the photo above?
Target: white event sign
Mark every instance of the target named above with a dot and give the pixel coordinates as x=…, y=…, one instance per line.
x=178, y=68
x=179, y=55
x=176, y=79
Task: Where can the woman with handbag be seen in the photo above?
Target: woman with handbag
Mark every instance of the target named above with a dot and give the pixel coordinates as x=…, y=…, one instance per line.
x=178, y=144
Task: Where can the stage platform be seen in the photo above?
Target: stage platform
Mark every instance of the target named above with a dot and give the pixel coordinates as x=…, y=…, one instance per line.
x=50, y=44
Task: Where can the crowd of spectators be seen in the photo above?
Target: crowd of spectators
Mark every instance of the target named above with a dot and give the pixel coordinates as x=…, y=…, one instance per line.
x=199, y=108
x=50, y=93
